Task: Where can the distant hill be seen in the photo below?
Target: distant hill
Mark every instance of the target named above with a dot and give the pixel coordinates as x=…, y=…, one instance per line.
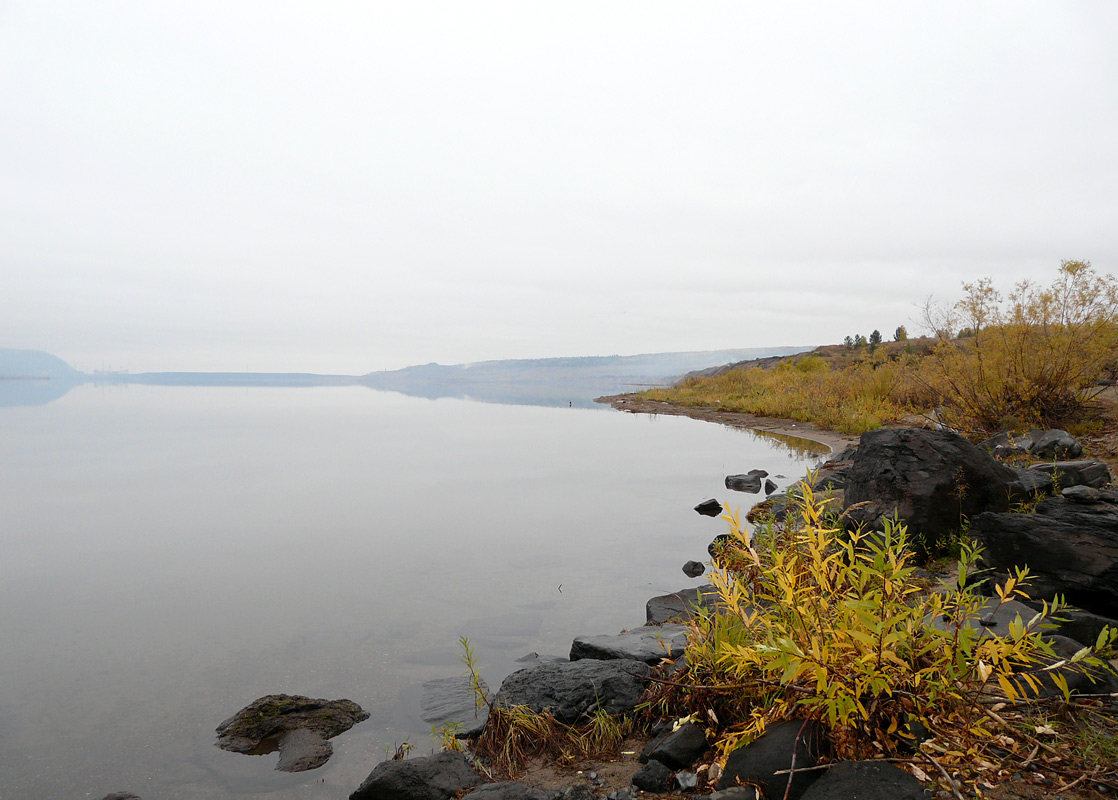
x=25, y=364
x=555, y=381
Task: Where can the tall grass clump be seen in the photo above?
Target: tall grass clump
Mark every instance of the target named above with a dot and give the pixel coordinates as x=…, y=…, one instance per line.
x=515, y=734
x=1032, y=358
x=819, y=624
x=849, y=400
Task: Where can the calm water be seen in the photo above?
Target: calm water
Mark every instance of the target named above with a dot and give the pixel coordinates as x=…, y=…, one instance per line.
x=170, y=554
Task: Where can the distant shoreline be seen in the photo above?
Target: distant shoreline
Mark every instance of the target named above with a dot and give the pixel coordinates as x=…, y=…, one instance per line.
x=633, y=404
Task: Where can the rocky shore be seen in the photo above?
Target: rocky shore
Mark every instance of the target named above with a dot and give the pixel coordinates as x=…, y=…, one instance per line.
x=931, y=479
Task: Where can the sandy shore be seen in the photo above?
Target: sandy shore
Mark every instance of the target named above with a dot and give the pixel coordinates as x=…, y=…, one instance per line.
x=632, y=404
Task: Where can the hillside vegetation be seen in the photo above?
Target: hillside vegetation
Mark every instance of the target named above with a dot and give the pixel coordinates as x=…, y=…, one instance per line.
x=1032, y=358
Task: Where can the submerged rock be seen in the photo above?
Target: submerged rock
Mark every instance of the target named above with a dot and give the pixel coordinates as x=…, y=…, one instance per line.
x=266, y=725
x=744, y=483
x=301, y=750
x=709, y=508
x=693, y=569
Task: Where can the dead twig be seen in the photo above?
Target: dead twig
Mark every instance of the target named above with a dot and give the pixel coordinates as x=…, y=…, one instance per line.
x=950, y=781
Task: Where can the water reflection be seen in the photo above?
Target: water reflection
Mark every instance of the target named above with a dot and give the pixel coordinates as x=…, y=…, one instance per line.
x=795, y=446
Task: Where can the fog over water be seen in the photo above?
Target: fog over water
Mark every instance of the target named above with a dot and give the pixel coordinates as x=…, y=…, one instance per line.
x=348, y=187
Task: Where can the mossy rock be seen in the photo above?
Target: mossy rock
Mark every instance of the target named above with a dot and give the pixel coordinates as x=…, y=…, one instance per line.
x=265, y=721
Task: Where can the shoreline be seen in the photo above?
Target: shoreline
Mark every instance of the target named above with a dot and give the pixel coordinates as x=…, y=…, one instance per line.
x=632, y=404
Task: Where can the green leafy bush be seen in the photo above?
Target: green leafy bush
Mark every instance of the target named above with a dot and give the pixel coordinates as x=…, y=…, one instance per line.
x=817, y=623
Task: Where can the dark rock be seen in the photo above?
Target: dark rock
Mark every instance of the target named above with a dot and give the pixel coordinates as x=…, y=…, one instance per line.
x=1077, y=624
x=1056, y=444
x=262, y=724
x=709, y=508
x=580, y=791
x=535, y=659
x=1076, y=473
x=831, y=474
x=506, y=790
x=649, y=644
x=436, y=777
x=121, y=796
x=1071, y=550
x=660, y=734
x=992, y=618
x=577, y=688
x=744, y=483
x=678, y=749
x=866, y=780
x=680, y=605
x=760, y=473
x=1005, y=444
x=930, y=479
x=1079, y=679
x=759, y=761
x=1029, y=483
x=653, y=777
x=301, y=750
x=770, y=487
x=452, y=701
x=693, y=569
x=1081, y=494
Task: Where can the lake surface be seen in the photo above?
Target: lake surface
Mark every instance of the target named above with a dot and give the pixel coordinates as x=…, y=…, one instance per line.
x=170, y=554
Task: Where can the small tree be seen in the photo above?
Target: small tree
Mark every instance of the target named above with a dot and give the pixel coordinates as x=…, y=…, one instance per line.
x=848, y=342
x=900, y=335
x=1032, y=358
x=859, y=340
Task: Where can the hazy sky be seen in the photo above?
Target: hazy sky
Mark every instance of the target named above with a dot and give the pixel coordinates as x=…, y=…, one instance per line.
x=343, y=187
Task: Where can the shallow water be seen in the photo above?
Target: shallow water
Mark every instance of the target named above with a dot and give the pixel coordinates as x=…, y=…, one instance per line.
x=170, y=554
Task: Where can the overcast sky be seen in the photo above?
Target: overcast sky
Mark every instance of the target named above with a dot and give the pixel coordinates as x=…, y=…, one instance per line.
x=344, y=187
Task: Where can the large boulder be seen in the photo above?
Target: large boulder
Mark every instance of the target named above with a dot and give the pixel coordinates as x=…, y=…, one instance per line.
x=932, y=480
x=276, y=716
x=1070, y=549
x=650, y=644
x=436, y=777
x=761, y=761
x=576, y=689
